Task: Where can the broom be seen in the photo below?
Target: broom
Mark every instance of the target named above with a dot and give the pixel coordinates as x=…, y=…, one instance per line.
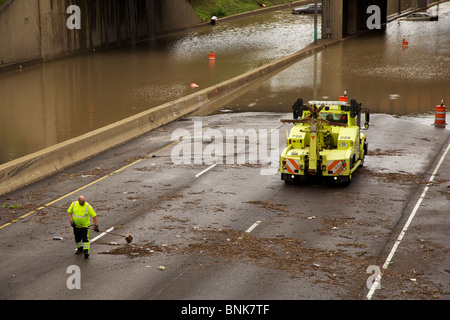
x=128, y=237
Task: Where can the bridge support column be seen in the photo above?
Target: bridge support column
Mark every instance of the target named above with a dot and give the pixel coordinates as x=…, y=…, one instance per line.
x=332, y=19
x=341, y=18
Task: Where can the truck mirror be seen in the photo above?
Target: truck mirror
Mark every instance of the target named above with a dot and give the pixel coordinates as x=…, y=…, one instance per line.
x=297, y=109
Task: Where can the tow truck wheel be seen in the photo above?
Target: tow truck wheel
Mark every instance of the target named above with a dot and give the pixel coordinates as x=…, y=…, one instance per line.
x=346, y=180
x=286, y=178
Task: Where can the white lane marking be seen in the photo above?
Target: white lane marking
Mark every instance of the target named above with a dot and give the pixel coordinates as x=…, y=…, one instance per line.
x=253, y=227
x=102, y=234
x=206, y=170
x=405, y=228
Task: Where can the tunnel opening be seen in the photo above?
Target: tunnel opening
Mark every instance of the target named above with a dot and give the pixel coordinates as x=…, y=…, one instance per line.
x=356, y=15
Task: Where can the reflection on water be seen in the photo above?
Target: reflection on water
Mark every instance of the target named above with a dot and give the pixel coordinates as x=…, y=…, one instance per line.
x=374, y=68
x=46, y=104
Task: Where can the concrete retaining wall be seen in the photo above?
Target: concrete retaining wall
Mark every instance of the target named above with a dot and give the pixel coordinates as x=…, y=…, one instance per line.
x=19, y=32
x=36, y=166
x=35, y=30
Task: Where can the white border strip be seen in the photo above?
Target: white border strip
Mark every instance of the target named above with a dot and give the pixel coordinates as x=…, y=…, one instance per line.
x=206, y=170
x=376, y=283
x=102, y=234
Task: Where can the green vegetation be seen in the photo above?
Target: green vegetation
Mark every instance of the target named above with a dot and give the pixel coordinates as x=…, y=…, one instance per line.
x=1, y=1
x=13, y=206
x=223, y=8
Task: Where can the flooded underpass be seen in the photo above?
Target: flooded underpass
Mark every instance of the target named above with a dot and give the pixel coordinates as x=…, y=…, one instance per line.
x=375, y=69
x=53, y=102
x=50, y=103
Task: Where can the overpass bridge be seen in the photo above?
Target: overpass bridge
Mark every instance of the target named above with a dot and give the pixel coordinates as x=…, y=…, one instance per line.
x=341, y=18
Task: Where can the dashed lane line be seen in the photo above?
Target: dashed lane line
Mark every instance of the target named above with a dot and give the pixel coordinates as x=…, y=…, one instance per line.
x=86, y=186
x=102, y=234
x=253, y=226
x=206, y=170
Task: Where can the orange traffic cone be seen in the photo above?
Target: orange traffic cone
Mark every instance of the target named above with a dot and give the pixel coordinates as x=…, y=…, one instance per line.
x=405, y=43
x=212, y=56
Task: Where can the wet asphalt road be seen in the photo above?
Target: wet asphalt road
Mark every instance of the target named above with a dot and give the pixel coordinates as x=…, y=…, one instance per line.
x=309, y=241
x=232, y=233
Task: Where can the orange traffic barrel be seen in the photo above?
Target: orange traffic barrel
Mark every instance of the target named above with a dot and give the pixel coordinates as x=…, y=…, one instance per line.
x=212, y=56
x=439, y=119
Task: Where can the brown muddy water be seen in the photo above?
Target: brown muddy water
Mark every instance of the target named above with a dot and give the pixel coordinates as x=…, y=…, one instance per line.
x=49, y=103
x=375, y=69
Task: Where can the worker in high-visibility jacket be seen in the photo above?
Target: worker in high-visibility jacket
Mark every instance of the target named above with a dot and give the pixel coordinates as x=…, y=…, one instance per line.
x=80, y=213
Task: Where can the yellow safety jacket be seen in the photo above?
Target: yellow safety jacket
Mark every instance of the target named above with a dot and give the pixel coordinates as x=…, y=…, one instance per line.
x=81, y=214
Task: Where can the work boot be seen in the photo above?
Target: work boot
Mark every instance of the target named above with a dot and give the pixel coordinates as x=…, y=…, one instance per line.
x=79, y=251
x=86, y=254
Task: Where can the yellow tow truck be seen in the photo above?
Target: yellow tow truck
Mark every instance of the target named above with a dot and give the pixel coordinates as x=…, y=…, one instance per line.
x=325, y=141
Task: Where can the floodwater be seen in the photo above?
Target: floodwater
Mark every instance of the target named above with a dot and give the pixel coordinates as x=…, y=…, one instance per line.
x=374, y=68
x=50, y=103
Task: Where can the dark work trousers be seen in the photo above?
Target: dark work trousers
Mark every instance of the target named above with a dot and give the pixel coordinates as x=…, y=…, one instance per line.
x=82, y=238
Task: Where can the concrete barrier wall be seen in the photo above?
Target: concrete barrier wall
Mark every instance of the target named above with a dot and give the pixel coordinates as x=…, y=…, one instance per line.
x=36, y=166
x=174, y=15
x=19, y=31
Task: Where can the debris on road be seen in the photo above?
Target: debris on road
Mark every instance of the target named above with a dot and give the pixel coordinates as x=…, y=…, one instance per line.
x=269, y=205
x=133, y=251
x=395, y=177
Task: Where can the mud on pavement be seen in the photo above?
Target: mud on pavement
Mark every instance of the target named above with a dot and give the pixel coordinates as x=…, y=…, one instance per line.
x=324, y=236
